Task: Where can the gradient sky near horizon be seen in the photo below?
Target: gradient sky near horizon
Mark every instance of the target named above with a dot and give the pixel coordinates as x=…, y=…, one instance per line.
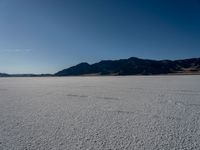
x=45, y=36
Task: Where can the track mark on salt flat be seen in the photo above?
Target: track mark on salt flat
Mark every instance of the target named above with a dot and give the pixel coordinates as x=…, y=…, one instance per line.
x=3, y=89
x=76, y=95
x=108, y=98
x=121, y=111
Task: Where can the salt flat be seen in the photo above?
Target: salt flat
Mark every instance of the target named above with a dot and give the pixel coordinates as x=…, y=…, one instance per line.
x=130, y=112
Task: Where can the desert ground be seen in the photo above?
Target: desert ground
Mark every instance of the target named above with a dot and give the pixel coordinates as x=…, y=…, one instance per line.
x=100, y=113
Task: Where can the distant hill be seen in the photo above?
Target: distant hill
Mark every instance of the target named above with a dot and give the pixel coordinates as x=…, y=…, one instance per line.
x=134, y=66
x=24, y=75
x=4, y=75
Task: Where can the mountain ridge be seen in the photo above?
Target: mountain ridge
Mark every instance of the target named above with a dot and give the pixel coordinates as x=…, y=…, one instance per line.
x=134, y=66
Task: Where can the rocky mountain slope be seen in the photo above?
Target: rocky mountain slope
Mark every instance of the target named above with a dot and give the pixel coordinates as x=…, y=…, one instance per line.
x=134, y=66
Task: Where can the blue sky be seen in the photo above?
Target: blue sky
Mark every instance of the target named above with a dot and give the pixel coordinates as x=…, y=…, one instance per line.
x=45, y=36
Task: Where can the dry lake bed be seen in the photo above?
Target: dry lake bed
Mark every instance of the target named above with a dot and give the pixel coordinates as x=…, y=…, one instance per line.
x=104, y=113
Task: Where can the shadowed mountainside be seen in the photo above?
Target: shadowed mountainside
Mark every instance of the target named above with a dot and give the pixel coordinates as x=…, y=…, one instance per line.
x=4, y=75
x=134, y=66
x=24, y=75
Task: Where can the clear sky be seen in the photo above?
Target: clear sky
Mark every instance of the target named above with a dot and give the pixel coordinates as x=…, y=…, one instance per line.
x=45, y=36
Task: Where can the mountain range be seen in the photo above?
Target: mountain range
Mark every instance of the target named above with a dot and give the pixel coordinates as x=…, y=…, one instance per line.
x=134, y=66
x=130, y=66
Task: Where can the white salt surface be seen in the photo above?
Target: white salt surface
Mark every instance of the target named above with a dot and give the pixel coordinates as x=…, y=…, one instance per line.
x=71, y=113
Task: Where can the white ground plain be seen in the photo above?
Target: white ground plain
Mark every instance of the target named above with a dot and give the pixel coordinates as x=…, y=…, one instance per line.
x=130, y=112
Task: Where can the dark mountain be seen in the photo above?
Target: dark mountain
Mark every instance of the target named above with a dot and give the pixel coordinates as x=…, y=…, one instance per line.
x=82, y=68
x=4, y=75
x=134, y=66
x=24, y=75
x=30, y=75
